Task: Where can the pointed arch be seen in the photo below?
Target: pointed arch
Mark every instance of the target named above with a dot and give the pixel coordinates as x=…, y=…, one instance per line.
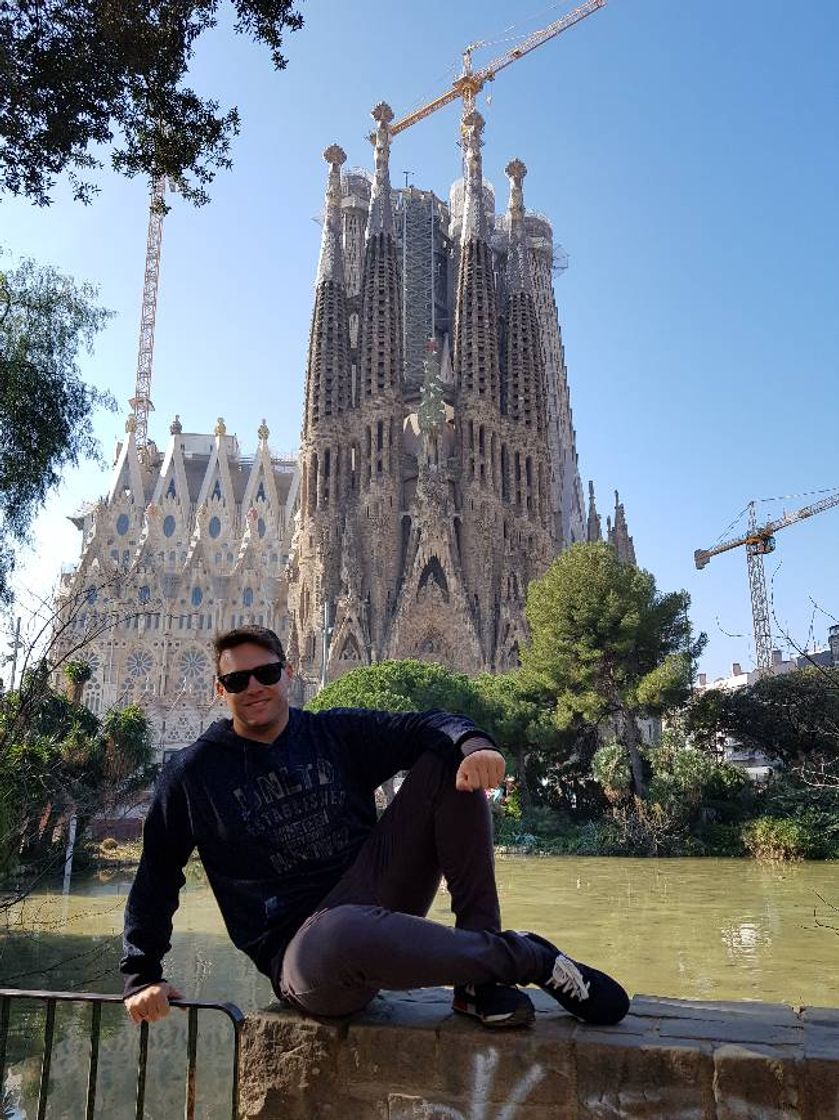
x=350, y=651
x=433, y=579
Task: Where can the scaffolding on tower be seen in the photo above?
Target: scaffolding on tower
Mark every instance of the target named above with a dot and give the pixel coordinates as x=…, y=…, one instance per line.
x=141, y=403
x=423, y=245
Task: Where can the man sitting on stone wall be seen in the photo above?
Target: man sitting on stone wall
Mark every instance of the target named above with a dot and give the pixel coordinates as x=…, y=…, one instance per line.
x=329, y=903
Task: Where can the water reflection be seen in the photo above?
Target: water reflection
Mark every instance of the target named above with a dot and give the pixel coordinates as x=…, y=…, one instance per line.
x=701, y=929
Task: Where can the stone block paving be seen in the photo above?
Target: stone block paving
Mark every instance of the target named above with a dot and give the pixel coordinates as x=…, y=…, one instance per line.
x=408, y=1057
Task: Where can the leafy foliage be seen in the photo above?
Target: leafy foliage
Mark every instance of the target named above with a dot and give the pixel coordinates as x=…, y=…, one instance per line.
x=610, y=767
x=78, y=673
x=694, y=778
x=519, y=720
x=781, y=838
x=45, y=407
x=75, y=72
x=793, y=718
x=606, y=645
x=402, y=686
x=57, y=758
x=604, y=639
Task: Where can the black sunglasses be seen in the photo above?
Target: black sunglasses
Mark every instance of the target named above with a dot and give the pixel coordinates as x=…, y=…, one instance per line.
x=239, y=681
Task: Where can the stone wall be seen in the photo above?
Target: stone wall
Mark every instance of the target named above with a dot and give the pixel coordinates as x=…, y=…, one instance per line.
x=409, y=1058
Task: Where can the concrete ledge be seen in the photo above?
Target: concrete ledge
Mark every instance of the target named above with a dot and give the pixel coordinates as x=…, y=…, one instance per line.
x=408, y=1057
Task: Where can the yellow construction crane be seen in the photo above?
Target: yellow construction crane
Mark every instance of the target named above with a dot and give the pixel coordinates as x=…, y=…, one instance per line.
x=759, y=540
x=470, y=82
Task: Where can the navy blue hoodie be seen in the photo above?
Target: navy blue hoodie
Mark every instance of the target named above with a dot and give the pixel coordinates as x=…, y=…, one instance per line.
x=275, y=824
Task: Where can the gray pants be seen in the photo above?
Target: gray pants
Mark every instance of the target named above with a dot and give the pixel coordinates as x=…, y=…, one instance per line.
x=371, y=933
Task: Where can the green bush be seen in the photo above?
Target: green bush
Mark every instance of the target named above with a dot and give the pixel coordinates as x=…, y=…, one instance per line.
x=509, y=833
x=822, y=830
x=720, y=839
x=610, y=767
x=782, y=838
x=593, y=838
x=786, y=795
x=547, y=823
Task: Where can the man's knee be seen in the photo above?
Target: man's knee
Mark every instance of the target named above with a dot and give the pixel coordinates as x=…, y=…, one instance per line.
x=320, y=971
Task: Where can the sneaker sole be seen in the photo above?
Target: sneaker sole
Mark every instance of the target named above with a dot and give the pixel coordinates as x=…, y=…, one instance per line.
x=523, y=1017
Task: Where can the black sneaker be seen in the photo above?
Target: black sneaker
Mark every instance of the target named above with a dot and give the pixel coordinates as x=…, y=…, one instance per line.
x=496, y=1005
x=586, y=992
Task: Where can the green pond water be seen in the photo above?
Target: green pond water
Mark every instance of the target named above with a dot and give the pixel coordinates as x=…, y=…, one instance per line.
x=698, y=929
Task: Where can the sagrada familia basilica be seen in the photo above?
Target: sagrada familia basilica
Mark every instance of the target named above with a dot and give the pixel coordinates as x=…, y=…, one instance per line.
x=437, y=473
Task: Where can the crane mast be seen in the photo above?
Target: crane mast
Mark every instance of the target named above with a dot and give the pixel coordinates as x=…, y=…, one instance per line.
x=141, y=401
x=759, y=540
x=755, y=550
x=470, y=82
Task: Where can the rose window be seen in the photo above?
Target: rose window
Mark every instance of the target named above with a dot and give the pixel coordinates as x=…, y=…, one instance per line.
x=139, y=663
x=194, y=668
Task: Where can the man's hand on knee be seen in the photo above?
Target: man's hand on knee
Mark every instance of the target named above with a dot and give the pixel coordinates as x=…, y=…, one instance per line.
x=482, y=769
x=151, y=1003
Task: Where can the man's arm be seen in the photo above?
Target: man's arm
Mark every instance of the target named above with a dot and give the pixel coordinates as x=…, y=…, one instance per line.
x=383, y=743
x=153, y=899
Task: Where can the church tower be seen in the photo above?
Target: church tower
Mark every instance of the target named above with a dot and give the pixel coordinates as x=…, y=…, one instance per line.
x=477, y=372
x=525, y=459
x=439, y=477
x=328, y=460
x=380, y=404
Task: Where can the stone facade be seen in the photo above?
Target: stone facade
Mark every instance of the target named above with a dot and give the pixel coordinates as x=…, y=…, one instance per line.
x=435, y=487
x=188, y=541
x=408, y=1057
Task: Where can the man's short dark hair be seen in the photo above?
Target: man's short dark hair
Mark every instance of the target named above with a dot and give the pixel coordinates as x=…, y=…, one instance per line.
x=256, y=635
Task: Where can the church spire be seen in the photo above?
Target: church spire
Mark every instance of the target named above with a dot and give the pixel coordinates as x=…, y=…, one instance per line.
x=331, y=261
x=594, y=531
x=380, y=336
x=474, y=218
x=328, y=372
x=523, y=367
x=381, y=209
x=518, y=264
x=619, y=536
x=475, y=329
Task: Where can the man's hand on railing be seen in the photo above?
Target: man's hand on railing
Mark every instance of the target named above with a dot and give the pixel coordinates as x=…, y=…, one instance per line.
x=151, y=1003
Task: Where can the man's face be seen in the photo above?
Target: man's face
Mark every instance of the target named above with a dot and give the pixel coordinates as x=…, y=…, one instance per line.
x=259, y=712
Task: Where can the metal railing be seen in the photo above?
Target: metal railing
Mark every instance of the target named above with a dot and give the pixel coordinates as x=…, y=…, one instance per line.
x=52, y=999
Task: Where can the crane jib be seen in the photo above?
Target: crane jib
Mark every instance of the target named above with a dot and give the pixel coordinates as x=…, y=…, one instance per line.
x=468, y=83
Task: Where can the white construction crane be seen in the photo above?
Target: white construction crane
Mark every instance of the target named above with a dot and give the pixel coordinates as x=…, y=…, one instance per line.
x=759, y=540
x=141, y=401
x=470, y=82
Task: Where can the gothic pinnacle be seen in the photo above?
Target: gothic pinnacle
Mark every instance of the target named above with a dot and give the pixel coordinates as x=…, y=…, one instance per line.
x=335, y=154
x=515, y=172
x=331, y=261
x=474, y=221
x=518, y=263
x=381, y=212
x=263, y=432
x=594, y=531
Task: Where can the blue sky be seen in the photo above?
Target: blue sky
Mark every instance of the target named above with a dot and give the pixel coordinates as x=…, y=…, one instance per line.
x=686, y=154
